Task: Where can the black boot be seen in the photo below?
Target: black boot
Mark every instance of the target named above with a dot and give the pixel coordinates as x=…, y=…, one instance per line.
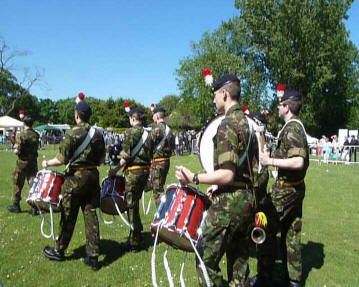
x=14, y=208
x=260, y=281
x=92, y=262
x=33, y=211
x=53, y=254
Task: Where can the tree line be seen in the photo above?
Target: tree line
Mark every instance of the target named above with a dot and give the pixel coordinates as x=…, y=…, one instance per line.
x=303, y=44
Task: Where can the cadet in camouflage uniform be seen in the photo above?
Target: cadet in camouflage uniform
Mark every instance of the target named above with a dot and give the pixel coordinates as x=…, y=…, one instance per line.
x=136, y=173
x=26, y=146
x=164, y=144
x=230, y=217
x=81, y=188
x=291, y=157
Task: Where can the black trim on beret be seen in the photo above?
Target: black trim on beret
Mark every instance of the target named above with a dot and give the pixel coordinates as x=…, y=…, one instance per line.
x=291, y=95
x=229, y=78
x=158, y=110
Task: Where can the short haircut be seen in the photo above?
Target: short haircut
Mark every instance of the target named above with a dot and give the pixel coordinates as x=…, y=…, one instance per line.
x=28, y=121
x=85, y=117
x=161, y=115
x=294, y=106
x=138, y=116
x=234, y=89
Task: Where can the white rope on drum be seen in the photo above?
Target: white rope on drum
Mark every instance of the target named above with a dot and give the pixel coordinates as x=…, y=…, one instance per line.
x=52, y=233
x=121, y=216
x=153, y=257
x=145, y=211
x=182, y=271
x=105, y=221
x=202, y=266
x=168, y=270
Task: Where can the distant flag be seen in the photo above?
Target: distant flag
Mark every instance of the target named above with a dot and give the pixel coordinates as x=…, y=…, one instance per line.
x=280, y=91
x=80, y=97
x=127, y=106
x=21, y=114
x=245, y=110
x=152, y=107
x=207, y=75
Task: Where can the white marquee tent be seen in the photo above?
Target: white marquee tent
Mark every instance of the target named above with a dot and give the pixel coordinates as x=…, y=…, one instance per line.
x=9, y=122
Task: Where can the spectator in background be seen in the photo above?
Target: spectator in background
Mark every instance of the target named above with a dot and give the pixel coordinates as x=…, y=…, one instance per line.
x=327, y=150
x=345, y=152
x=353, y=143
x=335, y=148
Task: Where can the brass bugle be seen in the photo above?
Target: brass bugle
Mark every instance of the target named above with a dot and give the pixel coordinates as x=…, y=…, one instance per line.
x=258, y=235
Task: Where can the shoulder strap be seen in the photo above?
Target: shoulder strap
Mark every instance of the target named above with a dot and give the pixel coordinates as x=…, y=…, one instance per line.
x=244, y=155
x=290, y=121
x=167, y=131
x=137, y=148
x=83, y=146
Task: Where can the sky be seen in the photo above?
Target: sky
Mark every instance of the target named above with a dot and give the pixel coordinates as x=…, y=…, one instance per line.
x=113, y=48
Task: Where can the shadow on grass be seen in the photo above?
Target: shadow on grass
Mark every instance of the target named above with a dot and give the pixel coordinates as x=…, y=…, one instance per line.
x=112, y=250
x=312, y=257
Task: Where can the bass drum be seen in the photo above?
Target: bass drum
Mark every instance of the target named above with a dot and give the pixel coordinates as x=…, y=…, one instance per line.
x=206, y=144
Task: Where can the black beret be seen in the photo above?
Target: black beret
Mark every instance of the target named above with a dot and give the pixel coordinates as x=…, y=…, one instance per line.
x=136, y=111
x=158, y=110
x=84, y=108
x=230, y=78
x=291, y=95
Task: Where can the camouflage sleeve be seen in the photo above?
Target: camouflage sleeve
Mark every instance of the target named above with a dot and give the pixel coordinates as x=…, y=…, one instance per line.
x=18, y=142
x=295, y=141
x=231, y=141
x=126, y=146
x=156, y=135
x=65, y=148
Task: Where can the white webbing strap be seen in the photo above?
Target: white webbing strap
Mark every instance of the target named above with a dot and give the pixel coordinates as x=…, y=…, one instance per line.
x=202, y=266
x=182, y=271
x=52, y=232
x=140, y=143
x=146, y=211
x=153, y=257
x=167, y=131
x=105, y=221
x=121, y=216
x=168, y=270
x=83, y=145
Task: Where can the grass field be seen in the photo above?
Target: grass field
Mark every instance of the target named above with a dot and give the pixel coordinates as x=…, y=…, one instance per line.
x=330, y=238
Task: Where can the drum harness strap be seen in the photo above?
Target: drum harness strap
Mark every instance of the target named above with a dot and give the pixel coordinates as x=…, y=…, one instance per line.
x=82, y=147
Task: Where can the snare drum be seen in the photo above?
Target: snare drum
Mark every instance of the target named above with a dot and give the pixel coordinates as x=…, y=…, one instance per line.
x=113, y=193
x=46, y=190
x=181, y=212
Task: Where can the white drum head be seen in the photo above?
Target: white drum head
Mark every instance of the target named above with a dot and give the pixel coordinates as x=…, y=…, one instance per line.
x=206, y=145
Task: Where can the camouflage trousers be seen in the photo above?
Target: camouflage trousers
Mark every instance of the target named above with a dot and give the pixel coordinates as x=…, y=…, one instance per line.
x=158, y=179
x=23, y=170
x=80, y=190
x=267, y=251
x=288, y=202
x=226, y=232
x=136, y=181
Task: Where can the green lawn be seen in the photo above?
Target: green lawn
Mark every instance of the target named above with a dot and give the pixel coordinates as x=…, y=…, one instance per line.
x=330, y=238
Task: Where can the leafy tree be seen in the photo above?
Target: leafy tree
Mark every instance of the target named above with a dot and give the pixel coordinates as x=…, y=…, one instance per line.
x=305, y=45
x=169, y=103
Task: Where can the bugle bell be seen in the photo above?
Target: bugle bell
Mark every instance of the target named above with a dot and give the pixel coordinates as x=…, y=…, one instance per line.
x=258, y=233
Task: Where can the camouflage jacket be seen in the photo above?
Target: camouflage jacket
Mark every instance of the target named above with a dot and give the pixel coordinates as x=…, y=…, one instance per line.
x=130, y=141
x=231, y=142
x=292, y=142
x=157, y=134
x=94, y=153
x=27, y=144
